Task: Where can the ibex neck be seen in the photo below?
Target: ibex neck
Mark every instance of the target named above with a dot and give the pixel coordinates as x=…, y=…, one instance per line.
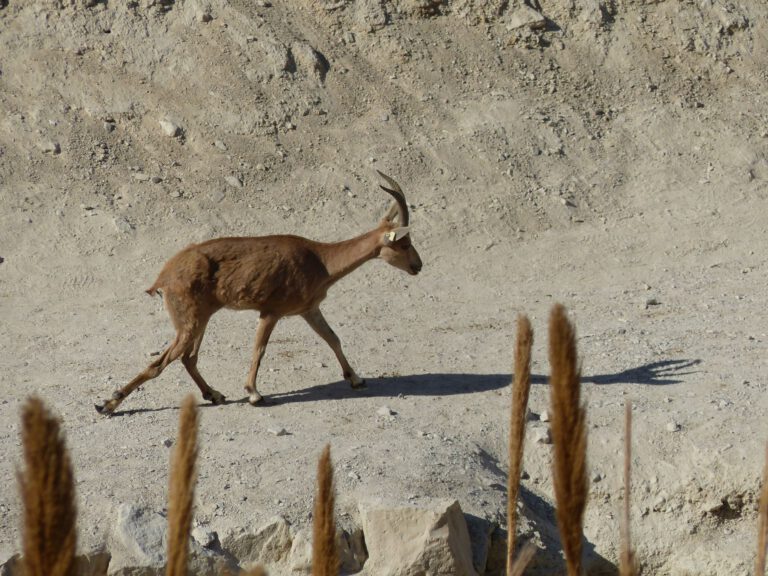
x=341, y=258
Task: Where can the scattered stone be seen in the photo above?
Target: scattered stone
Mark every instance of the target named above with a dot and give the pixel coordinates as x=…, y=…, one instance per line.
x=109, y=126
x=370, y=15
x=156, y=179
x=544, y=416
x=170, y=129
x=596, y=477
x=204, y=16
x=141, y=177
x=234, y=181
x=309, y=60
x=542, y=436
x=278, y=431
x=651, y=302
x=673, y=427
x=405, y=539
x=217, y=196
x=385, y=411
x=271, y=543
x=525, y=16
x=50, y=147
x=122, y=224
x=220, y=145
x=168, y=442
x=205, y=537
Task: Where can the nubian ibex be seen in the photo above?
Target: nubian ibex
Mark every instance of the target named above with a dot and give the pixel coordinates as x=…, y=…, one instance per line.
x=274, y=275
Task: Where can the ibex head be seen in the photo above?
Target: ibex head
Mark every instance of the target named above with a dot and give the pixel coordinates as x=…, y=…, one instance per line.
x=397, y=249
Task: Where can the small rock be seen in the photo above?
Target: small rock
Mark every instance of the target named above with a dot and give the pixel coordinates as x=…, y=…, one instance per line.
x=544, y=416
x=109, y=126
x=217, y=195
x=234, y=181
x=651, y=302
x=385, y=411
x=156, y=179
x=204, y=16
x=278, y=431
x=542, y=436
x=220, y=145
x=174, y=194
x=122, y=225
x=526, y=16
x=50, y=147
x=596, y=477
x=673, y=427
x=168, y=442
x=170, y=128
x=141, y=177
x=206, y=538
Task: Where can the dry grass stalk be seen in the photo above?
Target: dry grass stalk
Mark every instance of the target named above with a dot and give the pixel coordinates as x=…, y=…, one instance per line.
x=520, y=391
x=182, y=490
x=325, y=556
x=48, y=495
x=523, y=559
x=628, y=562
x=569, y=436
x=762, y=530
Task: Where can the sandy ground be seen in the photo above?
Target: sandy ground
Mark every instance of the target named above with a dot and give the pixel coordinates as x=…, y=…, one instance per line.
x=614, y=162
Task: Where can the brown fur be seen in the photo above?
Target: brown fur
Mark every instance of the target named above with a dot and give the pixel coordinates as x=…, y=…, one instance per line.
x=47, y=494
x=569, y=437
x=520, y=392
x=275, y=275
x=182, y=490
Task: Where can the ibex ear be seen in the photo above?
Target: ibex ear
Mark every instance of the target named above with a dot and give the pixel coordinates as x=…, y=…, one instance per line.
x=397, y=234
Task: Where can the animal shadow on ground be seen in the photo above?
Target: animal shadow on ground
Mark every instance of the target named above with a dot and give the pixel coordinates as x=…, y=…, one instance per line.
x=660, y=373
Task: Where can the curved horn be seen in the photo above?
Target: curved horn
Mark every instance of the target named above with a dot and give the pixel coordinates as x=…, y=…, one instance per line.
x=397, y=194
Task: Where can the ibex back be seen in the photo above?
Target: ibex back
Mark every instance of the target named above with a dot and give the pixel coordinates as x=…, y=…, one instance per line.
x=275, y=275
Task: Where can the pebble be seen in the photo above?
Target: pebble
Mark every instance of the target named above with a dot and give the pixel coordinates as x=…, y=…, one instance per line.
x=673, y=427
x=141, y=177
x=170, y=129
x=278, y=431
x=544, y=416
x=206, y=538
x=220, y=145
x=156, y=179
x=542, y=436
x=122, y=224
x=50, y=147
x=168, y=442
x=217, y=195
x=234, y=181
x=385, y=411
x=174, y=194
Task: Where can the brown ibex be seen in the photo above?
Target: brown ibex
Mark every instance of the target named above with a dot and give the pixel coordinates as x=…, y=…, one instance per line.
x=275, y=275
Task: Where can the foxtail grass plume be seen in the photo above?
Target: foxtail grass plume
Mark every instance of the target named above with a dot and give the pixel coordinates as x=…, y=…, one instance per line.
x=521, y=387
x=762, y=530
x=628, y=562
x=325, y=556
x=47, y=495
x=569, y=437
x=182, y=490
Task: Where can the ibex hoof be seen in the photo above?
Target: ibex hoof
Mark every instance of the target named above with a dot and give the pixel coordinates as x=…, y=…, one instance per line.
x=215, y=397
x=257, y=400
x=104, y=409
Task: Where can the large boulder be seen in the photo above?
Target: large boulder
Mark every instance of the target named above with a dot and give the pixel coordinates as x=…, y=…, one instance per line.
x=270, y=544
x=406, y=540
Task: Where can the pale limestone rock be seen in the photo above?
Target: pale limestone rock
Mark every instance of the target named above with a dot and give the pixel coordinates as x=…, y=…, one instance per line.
x=405, y=540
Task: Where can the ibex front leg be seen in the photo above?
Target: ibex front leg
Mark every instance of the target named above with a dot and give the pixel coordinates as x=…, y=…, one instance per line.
x=316, y=320
x=263, y=332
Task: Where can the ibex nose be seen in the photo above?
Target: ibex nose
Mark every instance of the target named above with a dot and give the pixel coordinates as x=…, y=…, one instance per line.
x=416, y=268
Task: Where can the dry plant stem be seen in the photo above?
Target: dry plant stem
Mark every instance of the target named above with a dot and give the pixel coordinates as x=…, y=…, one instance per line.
x=569, y=436
x=523, y=559
x=762, y=530
x=182, y=490
x=627, y=565
x=48, y=495
x=520, y=391
x=325, y=557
